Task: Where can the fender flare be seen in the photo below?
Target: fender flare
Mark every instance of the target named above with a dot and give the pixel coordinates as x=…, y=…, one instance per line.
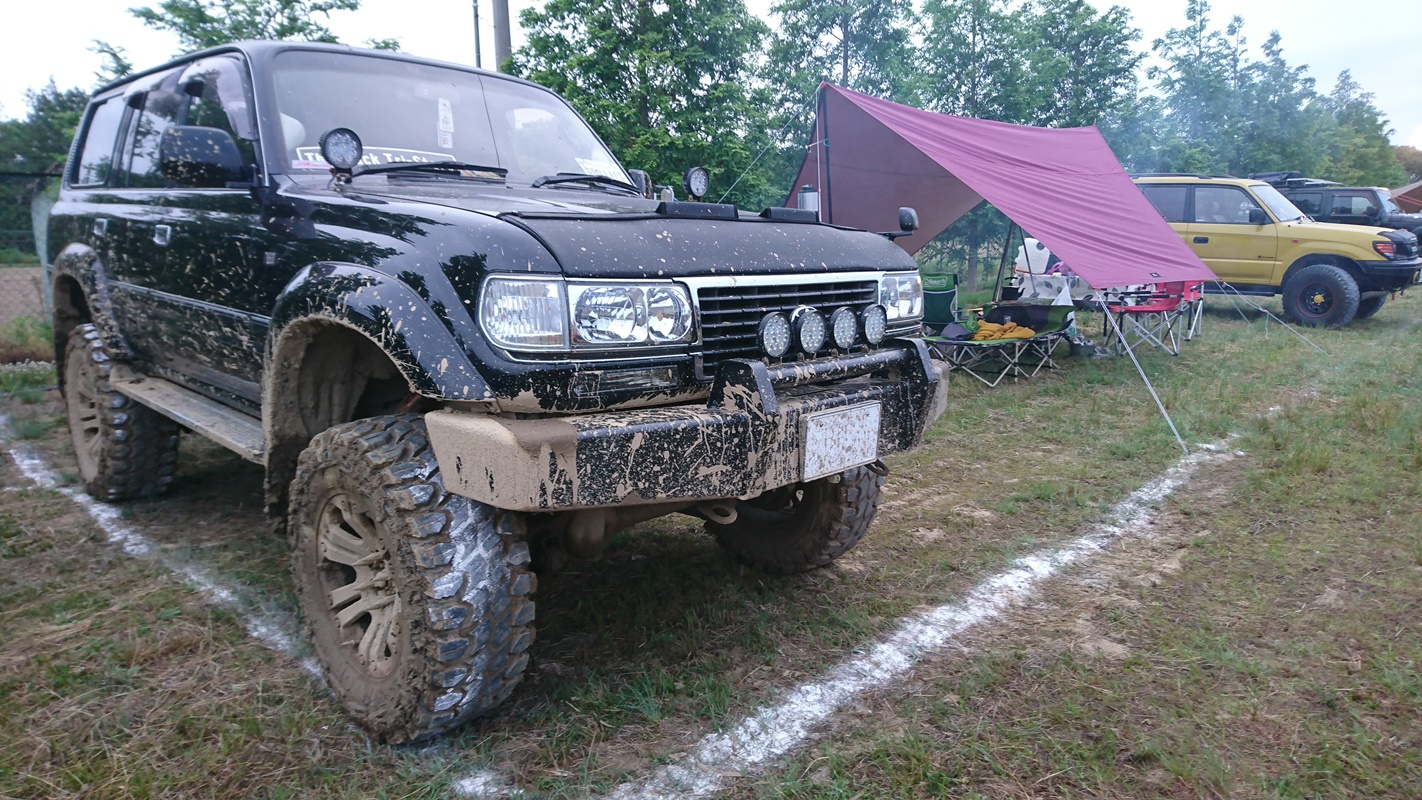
x=81, y=264
x=390, y=314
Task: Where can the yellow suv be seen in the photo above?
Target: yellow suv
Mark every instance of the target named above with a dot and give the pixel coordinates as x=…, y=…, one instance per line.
x=1260, y=244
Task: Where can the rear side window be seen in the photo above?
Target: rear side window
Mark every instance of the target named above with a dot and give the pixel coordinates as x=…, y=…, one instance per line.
x=1168, y=200
x=96, y=156
x=160, y=110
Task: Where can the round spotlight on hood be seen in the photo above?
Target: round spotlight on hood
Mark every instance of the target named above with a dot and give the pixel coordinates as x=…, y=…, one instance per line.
x=876, y=324
x=844, y=326
x=696, y=183
x=341, y=148
x=810, y=329
x=774, y=334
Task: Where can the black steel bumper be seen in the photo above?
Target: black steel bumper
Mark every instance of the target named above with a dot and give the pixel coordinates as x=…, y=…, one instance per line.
x=747, y=438
x=1389, y=275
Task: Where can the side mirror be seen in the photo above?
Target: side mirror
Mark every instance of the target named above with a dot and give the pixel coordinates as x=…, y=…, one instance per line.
x=1257, y=216
x=908, y=220
x=1371, y=213
x=642, y=181
x=205, y=158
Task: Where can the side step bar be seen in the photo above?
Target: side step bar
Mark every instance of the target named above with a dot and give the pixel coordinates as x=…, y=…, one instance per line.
x=228, y=427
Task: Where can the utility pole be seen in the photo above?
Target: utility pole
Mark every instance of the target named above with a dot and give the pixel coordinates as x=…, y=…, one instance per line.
x=503, y=37
x=478, y=56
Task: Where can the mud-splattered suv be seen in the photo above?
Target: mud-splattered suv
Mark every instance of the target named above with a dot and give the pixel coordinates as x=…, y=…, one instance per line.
x=438, y=311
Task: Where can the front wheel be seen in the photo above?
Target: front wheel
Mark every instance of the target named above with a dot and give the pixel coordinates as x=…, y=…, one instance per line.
x=418, y=601
x=797, y=528
x=1321, y=295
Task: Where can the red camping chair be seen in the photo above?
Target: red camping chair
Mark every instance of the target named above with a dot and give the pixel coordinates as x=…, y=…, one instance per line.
x=1166, y=317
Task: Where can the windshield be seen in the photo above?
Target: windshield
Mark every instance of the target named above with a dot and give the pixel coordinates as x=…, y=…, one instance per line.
x=405, y=112
x=1388, y=205
x=1277, y=203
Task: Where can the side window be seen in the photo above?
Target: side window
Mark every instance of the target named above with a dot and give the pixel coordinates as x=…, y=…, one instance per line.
x=1223, y=205
x=161, y=109
x=1352, y=204
x=1308, y=202
x=218, y=98
x=96, y=156
x=1168, y=200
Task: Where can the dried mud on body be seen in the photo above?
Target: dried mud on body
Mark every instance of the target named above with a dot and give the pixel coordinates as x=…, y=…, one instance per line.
x=1259, y=642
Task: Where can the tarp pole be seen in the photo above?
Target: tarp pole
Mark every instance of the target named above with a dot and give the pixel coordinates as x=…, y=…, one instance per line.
x=1002, y=263
x=1130, y=352
x=824, y=147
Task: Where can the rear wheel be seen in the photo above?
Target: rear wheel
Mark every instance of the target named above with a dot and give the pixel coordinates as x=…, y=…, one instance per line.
x=1321, y=295
x=1369, y=307
x=123, y=448
x=418, y=601
x=803, y=526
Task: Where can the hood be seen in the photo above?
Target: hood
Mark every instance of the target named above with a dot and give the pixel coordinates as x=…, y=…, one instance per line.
x=594, y=234
x=1339, y=228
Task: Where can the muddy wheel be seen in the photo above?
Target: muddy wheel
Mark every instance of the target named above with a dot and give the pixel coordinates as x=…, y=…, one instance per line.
x=418, y=601
x=800, y=527
x=1369, y=307
x=1321, y=295
x=123, y=448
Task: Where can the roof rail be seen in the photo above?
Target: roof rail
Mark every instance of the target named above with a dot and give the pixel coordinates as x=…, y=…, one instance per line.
x=1179, y=175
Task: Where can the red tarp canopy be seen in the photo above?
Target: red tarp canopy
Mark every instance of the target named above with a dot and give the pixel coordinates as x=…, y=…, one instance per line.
x=1063, y=186
x=1409, y=197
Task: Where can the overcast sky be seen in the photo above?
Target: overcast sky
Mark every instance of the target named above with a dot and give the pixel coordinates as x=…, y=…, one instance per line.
x=1378, y=40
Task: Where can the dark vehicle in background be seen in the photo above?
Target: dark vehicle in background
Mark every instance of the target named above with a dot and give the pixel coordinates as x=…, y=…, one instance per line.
x=1327, y=201
x=435, y=308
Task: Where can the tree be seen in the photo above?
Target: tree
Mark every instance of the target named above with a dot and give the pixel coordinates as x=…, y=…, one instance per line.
x=207, y=23
x=40, y=141
x=863, y=45
x=664, y=83
x=1357, y=151
x=1080, y=64
x=1410, y=158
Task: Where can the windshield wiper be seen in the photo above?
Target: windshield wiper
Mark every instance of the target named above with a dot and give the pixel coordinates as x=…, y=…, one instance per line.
x=578, y=177
x=453, y=168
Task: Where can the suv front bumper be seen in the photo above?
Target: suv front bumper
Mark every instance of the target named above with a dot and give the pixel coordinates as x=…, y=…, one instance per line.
x=1389, y=275
x=746, y=440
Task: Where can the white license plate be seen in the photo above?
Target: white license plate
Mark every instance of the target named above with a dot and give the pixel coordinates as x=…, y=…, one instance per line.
x=839, y=439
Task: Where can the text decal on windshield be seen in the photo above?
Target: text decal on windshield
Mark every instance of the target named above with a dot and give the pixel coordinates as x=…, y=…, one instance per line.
x=310, y=157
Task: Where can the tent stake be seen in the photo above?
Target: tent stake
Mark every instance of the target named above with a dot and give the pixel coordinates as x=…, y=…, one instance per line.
x=1122, y=338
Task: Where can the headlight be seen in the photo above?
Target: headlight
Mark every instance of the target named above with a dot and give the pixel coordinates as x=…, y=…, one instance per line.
x=522, y=314
x=551, y=314
x=901, y=295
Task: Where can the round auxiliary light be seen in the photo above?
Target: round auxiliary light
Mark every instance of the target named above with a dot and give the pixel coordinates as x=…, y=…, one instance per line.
x=876, y=324
x=774, y=334
x=810, y=329
x=844, y=326
x=341, y=148
x=696, y=183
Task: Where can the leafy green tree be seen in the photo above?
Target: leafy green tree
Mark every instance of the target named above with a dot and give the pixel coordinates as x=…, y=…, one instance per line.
x=1357, y=151
x=1080, y=63
x=208, y=23
x=1410, y=158
x=40, y=141
x=664, y=83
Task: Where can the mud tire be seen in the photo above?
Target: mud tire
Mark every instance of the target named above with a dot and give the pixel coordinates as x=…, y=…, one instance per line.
x=1328, y=281
x=1369, y=307
x=460, y=616
x=802, y=527
x=124, y=450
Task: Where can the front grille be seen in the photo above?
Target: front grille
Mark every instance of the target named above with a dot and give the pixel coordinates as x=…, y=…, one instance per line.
x=730, y=315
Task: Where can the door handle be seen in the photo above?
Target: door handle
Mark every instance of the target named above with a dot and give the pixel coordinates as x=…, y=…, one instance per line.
x=161, y=235
x=101, y=227
x=1202, y=240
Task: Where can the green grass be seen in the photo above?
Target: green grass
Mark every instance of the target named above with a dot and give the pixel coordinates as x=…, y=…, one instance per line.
x=13, y=257
x=1235, y=679
x=25, y=339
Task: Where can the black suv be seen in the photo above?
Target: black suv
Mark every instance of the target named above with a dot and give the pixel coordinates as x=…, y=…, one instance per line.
x=1328, y=201
x=437, y=310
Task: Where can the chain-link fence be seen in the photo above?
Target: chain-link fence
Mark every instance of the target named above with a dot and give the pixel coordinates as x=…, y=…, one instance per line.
x=24, y=317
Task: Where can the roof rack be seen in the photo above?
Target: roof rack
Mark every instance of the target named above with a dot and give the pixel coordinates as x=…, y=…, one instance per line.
x=1292, y=180
x=1179, y=175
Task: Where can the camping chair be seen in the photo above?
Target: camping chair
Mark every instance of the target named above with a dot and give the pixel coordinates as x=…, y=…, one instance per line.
x=1166, y=317
x=992, y=360
x=940, y=302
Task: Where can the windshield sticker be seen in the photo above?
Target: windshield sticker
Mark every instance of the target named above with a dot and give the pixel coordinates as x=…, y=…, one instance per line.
x=446, y=123
x=605, y=168
x=310, y=157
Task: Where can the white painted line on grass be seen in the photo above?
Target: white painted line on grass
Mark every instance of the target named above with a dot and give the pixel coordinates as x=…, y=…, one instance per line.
x=775, y=730
x=270, y=627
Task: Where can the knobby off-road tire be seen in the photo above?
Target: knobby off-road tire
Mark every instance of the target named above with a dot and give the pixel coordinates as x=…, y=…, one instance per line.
x=1321, y=295
x=1369, y=307
x=418, y=601
x=123, y=448
x=801, y=527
